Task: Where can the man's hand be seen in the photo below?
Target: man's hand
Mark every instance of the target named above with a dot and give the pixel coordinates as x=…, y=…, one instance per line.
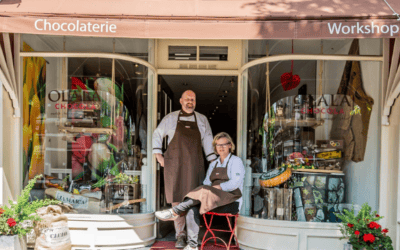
x=160, y=159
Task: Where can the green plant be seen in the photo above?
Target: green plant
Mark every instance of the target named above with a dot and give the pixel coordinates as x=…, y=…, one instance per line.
x=14, y=218
x=363, y=231
x=126, y=179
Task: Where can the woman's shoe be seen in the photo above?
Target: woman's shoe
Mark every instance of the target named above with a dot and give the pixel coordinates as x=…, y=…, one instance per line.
x=166, y=215
x=188, y=247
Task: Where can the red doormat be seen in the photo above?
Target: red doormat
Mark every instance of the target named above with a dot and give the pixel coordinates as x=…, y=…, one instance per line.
x=169, y=245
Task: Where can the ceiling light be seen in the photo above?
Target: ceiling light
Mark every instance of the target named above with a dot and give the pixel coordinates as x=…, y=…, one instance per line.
x=210, y=118
x=220, y=100
x=212, y=113
x=226, y=91
x=216, y=107
x=232, y=81
x=136, y=65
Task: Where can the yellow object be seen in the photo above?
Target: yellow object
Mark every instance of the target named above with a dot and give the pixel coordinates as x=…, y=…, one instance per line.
x=277, y=180
x=76, y=191
x=35, y=118
x=330, y=155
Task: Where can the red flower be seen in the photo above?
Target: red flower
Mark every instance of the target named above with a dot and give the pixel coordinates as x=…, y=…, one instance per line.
x=369, y=238
x=377, y=215
x=11, y=222
x=374, y=225
x=357, y=232
x=385, y=230
x=1, y=211
x=350, y=225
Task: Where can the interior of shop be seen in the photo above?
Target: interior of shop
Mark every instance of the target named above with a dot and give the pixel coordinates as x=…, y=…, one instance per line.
x=95, y=149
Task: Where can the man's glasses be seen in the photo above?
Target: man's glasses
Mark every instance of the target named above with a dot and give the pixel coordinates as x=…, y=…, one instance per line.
x=223, y=145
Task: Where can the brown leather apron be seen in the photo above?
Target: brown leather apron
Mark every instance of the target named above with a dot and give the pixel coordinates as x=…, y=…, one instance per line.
x=351, y=85
x=211, y=197
x=184, y=163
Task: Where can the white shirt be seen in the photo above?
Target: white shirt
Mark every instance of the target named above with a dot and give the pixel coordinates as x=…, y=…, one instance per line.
x=167, y=127
x=235, y=171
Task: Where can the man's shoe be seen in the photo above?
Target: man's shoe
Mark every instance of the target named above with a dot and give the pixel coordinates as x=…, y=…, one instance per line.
x=181, y=242
x=166, y=215
x=188, y=247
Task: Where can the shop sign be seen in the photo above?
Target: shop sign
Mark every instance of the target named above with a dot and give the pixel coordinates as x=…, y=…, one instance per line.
x=77, y=201
x=75, y=26
x=68, y=96
x=328, y=105
x=340, y=28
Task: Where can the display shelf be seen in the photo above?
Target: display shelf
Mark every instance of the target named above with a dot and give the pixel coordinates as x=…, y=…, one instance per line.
x=298, y=123
x=319, y=171
x=85, y=130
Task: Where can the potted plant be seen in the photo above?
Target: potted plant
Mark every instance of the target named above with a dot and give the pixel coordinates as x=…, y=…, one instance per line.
x=363, y=231
x=18, y=219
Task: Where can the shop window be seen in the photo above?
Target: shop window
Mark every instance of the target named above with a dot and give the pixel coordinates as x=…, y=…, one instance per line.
x=312, y=138
x=258, y=48
x=133, y=47
x=86, y=132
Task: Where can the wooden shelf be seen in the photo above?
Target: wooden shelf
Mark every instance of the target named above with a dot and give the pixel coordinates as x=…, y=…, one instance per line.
x=298, y=123
x=319, y=171
x=74, y=130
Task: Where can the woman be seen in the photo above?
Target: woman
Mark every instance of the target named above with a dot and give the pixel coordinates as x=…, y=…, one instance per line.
x=221, y=192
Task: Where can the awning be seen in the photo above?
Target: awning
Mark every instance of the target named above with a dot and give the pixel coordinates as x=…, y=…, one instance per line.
x=203, y=19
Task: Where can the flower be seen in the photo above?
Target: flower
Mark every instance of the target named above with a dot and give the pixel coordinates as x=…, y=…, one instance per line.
x=11, y=222
x=357, y=232
x=1, y=211
x=350, y=225
x=374, y=225
x=369, y=238
x=385, y=230
x=377, y=215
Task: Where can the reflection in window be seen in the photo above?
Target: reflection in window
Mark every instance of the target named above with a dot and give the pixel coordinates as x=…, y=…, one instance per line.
x=87, y=133
x=312, y=144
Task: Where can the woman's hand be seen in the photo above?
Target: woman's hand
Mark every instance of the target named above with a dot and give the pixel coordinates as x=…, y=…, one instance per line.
x=217, y=187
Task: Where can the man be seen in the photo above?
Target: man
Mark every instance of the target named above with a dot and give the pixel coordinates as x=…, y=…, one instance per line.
x=188, y=132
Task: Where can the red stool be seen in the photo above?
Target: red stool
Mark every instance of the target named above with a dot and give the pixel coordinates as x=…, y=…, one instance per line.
x=231, y=230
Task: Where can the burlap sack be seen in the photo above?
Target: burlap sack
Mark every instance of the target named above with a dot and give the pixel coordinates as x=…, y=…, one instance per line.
x=52, y=231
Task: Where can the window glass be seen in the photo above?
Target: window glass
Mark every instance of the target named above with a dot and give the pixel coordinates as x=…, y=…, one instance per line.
x=86, y=133
x=311, y=138
x=258, y=48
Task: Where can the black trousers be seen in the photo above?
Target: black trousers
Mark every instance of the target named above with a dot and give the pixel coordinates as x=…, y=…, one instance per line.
x=192, y=207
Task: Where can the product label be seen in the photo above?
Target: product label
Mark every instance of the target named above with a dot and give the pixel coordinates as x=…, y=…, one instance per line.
x=77, y=201
x=56, y=235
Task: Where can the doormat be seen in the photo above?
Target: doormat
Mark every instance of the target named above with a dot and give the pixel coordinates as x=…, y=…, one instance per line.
x=170, y=245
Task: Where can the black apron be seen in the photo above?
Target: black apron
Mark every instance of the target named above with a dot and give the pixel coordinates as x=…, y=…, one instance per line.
x=184, y=163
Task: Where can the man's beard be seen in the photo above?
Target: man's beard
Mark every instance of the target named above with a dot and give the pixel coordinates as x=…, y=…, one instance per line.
x=190, y=106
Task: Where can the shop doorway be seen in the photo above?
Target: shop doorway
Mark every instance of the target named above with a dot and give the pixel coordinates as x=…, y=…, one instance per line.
x=216, y=98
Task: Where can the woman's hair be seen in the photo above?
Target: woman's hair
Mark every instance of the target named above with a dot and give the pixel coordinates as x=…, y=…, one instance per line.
x=223, y=135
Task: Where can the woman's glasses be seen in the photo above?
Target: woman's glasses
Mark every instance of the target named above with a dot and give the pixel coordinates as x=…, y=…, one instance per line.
x=223, y=145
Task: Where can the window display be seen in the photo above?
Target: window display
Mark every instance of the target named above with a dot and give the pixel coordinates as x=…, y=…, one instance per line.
x=86, y=131
x=309, y=151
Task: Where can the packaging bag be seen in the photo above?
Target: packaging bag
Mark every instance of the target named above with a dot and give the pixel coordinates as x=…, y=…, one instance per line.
x=52, y=230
